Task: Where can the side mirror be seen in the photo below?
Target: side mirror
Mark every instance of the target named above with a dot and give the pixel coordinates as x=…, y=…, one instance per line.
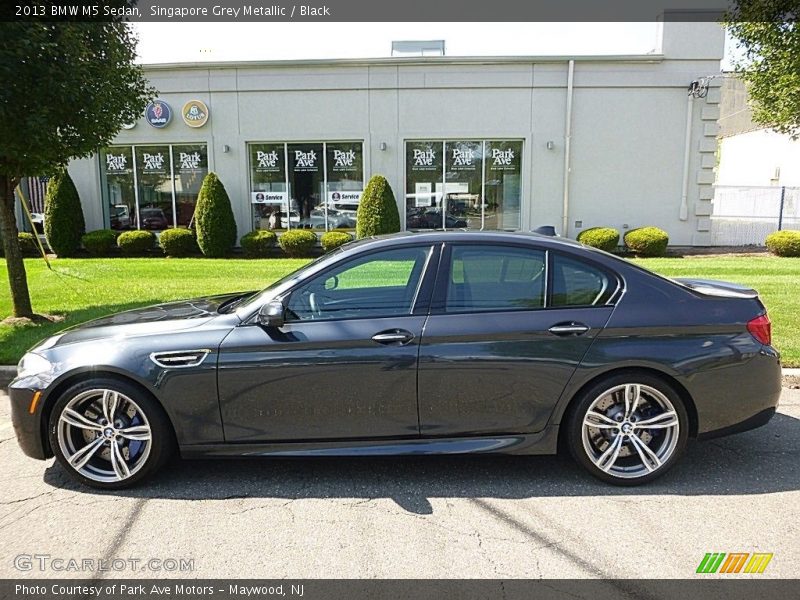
x=272, y=314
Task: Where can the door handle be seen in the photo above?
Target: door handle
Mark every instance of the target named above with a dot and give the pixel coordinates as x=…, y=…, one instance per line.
x=564, y=329
x=395, y=336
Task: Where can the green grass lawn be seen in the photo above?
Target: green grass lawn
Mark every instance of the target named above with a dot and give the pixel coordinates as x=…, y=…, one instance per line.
x=83, y=289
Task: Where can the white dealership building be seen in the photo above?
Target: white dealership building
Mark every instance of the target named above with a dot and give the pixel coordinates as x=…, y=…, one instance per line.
x=495, y=143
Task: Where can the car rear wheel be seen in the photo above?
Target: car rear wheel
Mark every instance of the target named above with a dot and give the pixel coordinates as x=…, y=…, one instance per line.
x=109, y=434
x=628, y=429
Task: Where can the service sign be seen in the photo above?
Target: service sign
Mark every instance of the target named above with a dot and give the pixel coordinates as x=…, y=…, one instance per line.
x=158, y=113
x=268, y=197
x=342, y=198
x=195, y=113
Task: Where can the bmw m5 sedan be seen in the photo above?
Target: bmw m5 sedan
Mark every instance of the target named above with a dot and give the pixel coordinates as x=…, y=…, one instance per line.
x=427, y=343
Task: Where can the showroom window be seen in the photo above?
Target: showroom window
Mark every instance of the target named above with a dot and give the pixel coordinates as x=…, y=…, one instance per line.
x=463, y=184
x=152, y=186
x=307, y=185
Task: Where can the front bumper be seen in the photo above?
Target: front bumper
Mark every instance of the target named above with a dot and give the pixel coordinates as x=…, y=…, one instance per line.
x=28, y=427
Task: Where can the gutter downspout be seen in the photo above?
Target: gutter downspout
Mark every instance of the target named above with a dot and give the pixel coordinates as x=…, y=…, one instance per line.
x=687, y=152
x=567, y=137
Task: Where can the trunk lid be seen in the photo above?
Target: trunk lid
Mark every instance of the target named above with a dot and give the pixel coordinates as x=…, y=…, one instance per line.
x=717, y=289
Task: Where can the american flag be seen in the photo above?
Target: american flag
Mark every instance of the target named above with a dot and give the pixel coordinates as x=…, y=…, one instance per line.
x=37, y=188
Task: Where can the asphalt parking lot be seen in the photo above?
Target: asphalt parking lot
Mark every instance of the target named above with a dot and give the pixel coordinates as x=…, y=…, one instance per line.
x=476, y=517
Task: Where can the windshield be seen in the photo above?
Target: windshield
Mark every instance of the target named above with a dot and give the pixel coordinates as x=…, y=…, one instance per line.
x=259, y=298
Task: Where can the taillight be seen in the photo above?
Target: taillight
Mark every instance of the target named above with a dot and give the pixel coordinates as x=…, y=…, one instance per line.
x=761, y=329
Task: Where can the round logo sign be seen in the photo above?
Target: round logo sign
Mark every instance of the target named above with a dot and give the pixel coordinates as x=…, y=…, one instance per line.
x=158, y=113
x=130, y=125
x=195, y=113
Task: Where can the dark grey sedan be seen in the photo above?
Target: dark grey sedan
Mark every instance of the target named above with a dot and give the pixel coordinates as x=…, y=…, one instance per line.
x=435, y=343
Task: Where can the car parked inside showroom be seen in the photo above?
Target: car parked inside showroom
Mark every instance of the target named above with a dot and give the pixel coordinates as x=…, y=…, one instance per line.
x=426, y=343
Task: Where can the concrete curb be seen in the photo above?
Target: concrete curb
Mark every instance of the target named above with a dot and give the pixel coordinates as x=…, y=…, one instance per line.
x=7, y=373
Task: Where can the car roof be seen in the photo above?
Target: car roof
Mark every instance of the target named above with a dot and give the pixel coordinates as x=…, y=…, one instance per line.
x=465, y=236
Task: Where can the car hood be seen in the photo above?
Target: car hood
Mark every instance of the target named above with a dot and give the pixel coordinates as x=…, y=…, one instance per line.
x=148, y=320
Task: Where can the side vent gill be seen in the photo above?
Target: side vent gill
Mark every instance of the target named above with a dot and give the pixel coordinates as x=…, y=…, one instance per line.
x=179, y=359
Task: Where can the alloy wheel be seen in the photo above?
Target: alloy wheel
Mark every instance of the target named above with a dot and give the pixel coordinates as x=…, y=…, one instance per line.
x=630, y=430
x=104, y=435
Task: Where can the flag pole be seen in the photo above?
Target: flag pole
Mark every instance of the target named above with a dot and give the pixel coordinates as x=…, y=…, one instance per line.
x=24, y=202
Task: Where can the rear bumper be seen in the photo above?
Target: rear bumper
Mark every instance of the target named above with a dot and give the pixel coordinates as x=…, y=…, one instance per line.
x=757, y=420
x=737, y=397
x=28, y=427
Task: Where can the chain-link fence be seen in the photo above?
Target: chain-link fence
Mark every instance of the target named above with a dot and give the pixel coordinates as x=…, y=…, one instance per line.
x=746, y=215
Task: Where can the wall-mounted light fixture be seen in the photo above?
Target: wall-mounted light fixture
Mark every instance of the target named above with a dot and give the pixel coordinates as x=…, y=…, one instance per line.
x=226, y=148
x=550, y=145
x=382, y=146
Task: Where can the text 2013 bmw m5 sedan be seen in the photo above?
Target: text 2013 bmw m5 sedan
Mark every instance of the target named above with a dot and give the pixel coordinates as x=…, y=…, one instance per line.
x=434, y=343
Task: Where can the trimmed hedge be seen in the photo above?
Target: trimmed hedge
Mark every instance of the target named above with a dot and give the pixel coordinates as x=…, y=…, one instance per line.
x=63, y=217
x=333, y=239
x=647, y=241
x=216, y=227
x=100, y=242
x=178, y=242
x=377, y=211
x=603, y=238
x=784, y=243
x=28, y=245
x=136, y=243
x=298, y=242
x=257, y=244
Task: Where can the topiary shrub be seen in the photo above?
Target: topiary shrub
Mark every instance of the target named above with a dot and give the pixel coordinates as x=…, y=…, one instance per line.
x=257, y=244
x=333, y=239
x=178, y=242
x=377, y=211
x=298, y=242
x=647, y=241
x=784, y=243
x=63, y=217
x=136, y=243
x=28, y=245
x=100, y=242
x=213, y=215
x=603, y=238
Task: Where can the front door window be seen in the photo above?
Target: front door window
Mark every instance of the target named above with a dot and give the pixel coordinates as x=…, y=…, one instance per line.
x=383, y=284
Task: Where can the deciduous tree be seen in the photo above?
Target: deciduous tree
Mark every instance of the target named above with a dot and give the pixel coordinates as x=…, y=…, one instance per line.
x=67, y=89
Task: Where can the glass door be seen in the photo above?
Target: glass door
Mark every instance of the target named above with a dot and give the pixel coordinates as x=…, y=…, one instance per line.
x=306, y=186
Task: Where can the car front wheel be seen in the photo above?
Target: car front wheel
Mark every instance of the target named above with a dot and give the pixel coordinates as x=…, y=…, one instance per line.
x=109, y=434
x=628, y=429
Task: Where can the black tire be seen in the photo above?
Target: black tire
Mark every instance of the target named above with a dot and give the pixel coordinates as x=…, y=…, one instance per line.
x=162, y=438
x=584, y=401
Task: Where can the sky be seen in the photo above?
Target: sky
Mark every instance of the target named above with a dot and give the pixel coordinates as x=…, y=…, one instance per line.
x=182, y=42
x=200, y=42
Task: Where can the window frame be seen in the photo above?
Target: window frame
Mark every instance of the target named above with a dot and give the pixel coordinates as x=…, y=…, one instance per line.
x=615, y=281
x=443, y=141
x=287, y=174
x=438, y=304
x=104, y=193
x=421, y=297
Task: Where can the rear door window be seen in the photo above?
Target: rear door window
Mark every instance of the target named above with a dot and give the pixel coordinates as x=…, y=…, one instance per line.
x=576, y=283
x=495, y=278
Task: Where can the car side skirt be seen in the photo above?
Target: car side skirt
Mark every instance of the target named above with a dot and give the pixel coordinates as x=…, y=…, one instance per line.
x=543, y=442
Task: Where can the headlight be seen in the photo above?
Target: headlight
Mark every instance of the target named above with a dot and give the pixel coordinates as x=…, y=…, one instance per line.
x=33, y=364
